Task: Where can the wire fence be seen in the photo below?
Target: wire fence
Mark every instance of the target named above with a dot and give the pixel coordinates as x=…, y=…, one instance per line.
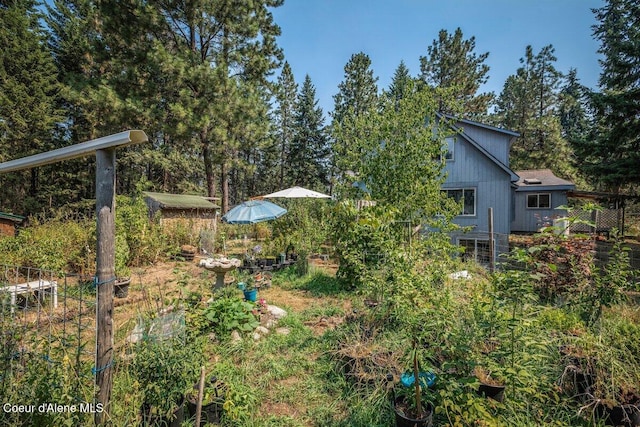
x=47, y=325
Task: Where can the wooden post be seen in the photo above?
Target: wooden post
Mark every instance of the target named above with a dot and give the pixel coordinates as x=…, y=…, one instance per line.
x=491, y=245
x=105, y=278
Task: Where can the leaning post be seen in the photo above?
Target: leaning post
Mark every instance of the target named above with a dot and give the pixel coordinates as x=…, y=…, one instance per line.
x=105, y=277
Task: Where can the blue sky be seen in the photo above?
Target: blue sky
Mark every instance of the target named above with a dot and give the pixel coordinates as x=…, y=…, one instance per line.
x=319, y=36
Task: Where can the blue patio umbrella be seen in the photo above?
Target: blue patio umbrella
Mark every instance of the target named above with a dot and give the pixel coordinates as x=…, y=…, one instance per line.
x=253, y=211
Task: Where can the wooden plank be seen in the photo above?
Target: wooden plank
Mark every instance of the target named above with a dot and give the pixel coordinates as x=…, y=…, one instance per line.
x=105, y=273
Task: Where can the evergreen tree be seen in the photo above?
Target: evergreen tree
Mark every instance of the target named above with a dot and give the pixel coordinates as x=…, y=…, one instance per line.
x=529, y=104
x=28, y=100
x=451, y=63
x=357, y=98
x=287, y=90
x=310, y=148
x=401, y=83
x=574, y=113
x=612, y=156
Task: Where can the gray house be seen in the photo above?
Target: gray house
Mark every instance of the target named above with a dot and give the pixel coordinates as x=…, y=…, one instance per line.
x=537, y=197
x=478, y=173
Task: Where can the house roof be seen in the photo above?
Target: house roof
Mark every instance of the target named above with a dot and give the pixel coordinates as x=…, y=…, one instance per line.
x=541, y=179
x=479, y=124
x=11, y=217
x=181, y=201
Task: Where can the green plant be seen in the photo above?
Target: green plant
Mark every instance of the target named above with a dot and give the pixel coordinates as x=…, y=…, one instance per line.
x=227, y=314
x=164, y=370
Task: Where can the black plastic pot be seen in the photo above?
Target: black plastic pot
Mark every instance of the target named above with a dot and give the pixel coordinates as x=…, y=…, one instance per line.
x=121, y=288
x=209, y=414
x=624, y=415
x=495, y=392
x=175, y=420
x=402, y=420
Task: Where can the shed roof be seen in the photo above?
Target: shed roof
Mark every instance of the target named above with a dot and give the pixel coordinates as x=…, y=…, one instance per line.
x=11, y=217
x=541, y=179
x=181, y=201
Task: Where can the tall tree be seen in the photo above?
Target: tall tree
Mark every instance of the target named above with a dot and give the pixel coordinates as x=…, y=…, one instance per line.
x=28, y=99
x=401, y=83
x=451, y=63
x=310, y=148
x=529, y=104
x=357, y=97
x=612, y=155
x=574, y=110
x=286, y=93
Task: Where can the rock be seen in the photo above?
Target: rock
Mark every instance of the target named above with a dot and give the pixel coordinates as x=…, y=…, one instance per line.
x=262, y=330
x=276, y=312
x=256, y=336
x=270, y=323
x=235, y=336
x=283, y=331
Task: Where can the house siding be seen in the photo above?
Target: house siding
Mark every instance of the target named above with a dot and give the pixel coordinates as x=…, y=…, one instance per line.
x=472, y=169
x=529, y=220
x=494, y=142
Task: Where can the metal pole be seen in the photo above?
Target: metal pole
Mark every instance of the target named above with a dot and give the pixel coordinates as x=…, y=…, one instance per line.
x=105, y=277
x=491, y=246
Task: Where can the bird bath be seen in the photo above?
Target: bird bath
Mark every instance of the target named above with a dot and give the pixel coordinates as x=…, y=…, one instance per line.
x=220, y=266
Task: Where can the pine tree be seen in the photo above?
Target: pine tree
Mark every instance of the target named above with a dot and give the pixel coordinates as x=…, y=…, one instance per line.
x=287, y=90
x=28, y=100
x=611, y=157
x=310, y=148
x=401, y=83
x=451, y=63
x=529, y=104
x=357, y=98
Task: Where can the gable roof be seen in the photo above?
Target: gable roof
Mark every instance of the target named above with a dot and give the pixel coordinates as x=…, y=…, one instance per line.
x=541, y=179
x=11, y=217
x=512, y=175
x=181, y=201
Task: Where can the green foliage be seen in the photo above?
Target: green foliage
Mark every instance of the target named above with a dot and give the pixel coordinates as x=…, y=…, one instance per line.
x=47, y=373
x=56, y=245
x=164, y=371
x=452, y=63
x=611, y=153
x=224, y=315
x=28, y=103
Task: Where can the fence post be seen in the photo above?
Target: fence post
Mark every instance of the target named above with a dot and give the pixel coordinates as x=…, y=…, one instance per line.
x=105, y=277
x=491, y=244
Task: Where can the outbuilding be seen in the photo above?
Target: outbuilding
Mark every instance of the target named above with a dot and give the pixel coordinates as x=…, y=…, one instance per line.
x=8, y=223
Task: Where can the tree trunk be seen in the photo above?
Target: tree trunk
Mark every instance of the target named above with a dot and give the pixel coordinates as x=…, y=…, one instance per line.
x=208, y=167
x=224, y=178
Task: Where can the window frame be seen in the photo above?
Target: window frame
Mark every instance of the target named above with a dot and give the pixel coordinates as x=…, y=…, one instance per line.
x=449, y=154
x=537, y=196
x=475, y=200
x=480, y=256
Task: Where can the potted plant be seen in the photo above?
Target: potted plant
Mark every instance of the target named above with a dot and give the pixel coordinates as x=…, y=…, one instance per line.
x=411, y=407
x=250, y=290
x=164, y=370
x=213, y=400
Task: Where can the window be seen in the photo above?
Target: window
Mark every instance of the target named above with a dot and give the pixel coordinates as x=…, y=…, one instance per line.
x=468, y=198
x=450, y=143
x=475, y=250
x=539, y=201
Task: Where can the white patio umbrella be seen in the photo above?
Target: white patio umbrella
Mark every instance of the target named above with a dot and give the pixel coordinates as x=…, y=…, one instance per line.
x=296, y=193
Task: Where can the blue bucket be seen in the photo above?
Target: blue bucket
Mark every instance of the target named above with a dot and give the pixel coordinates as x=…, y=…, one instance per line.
x=427, y=379
x=251, y=295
